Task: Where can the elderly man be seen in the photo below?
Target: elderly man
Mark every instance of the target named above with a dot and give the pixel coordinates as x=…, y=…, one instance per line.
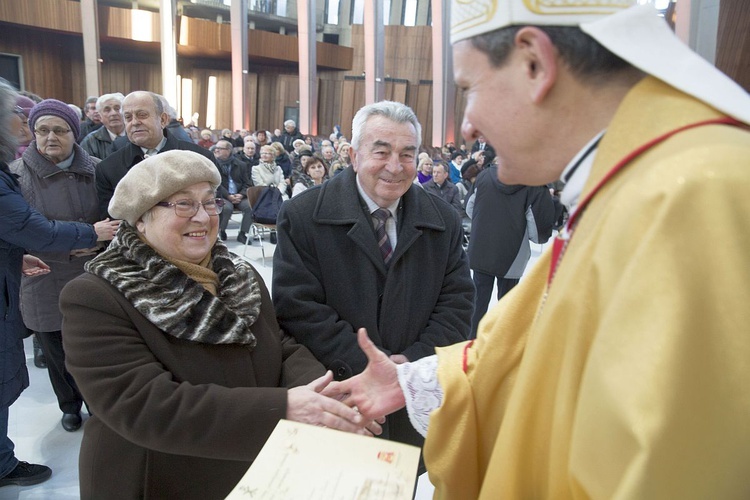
x=145, y=126
x=249, y=153
x=99, y=143
x=235, y=178
x=618, y=367
x=440, y=186
x=289, y=135
x=93, y=121
x=370, y=249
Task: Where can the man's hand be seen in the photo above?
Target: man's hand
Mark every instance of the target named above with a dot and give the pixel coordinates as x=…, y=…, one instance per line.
x=307, y=405
x=33, y=266
x=376, y=391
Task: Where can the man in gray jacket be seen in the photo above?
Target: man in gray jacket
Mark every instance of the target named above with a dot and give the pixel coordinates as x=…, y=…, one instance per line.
x=100, y=142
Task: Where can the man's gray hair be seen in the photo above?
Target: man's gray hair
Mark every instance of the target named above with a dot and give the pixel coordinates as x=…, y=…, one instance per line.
x=290, y=123
x=117, y=96
x=77, y=110
x=8, y=142
x=395, y=111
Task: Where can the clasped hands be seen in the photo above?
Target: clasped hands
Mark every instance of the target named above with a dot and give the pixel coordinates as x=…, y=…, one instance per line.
x=358, y=404
x=375, y=392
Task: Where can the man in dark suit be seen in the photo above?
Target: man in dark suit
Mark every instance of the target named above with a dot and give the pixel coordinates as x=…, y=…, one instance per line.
x=145, y=126
x=338, y=268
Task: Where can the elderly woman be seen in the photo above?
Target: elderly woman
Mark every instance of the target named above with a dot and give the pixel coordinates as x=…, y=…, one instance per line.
x=424, y=169
x=206, y=140
x=267, y=172
x=343, y=160
x=174, y=343
x=22, y=227
x=315, y=174
x=56, y=176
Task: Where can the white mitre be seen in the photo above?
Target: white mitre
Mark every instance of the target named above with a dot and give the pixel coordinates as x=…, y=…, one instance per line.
x=634, y=33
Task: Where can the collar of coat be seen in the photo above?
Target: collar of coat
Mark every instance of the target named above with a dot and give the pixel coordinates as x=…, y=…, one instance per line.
x=172, y=301
x=339, y=204
x=42, y=167
x=135, y=153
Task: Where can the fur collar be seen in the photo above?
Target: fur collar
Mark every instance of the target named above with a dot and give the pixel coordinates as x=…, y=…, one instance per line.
x=172, y=301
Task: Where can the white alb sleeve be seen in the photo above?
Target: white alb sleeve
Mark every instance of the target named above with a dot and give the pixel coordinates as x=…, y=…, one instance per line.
x=422, y=391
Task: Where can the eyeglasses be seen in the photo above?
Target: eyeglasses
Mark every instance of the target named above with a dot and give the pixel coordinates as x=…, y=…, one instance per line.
x=58, y=131
x=19, y=110
x=188, y=208
x=224, y=149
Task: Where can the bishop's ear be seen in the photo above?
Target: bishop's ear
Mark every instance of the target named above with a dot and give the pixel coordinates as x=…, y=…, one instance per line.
x=539, y=59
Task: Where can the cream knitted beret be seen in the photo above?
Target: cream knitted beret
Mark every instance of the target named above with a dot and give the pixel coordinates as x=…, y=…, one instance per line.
x=157, y=178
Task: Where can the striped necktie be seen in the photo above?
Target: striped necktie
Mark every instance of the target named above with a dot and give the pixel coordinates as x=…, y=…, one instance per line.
x=382, y=215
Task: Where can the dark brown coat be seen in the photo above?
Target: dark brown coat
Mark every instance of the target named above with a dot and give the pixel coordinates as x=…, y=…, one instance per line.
x=172, y=418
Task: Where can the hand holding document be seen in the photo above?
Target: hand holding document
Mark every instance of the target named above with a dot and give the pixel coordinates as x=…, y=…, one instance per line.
x=305, y=462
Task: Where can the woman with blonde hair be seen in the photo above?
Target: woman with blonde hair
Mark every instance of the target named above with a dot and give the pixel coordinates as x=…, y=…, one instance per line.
x=343, y=160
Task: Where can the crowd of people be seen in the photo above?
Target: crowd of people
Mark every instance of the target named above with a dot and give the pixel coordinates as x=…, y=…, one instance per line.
x=614, y=368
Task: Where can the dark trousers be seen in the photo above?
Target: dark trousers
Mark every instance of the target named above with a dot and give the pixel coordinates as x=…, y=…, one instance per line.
x=68, y=396
x=484, y=284
x=225, y=215
x=8, y=460
x=247, y=215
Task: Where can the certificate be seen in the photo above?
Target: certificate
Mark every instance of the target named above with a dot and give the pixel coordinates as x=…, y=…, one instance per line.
x=305, y=462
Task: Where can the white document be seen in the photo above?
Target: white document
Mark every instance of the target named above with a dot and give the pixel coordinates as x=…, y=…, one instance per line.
x=305, y=462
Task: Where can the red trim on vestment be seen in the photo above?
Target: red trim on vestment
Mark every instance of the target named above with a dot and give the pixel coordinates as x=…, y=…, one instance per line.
x=561, y=243
x=466, y=355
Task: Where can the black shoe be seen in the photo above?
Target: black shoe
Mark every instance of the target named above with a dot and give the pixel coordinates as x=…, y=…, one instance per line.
x=26, y=474
x=39, y=360
x=71, y=422
x=242, y=238
x=273, y=238
x=223, y=235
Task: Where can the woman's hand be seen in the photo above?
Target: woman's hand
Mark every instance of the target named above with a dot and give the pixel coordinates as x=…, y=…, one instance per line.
x=375, y=391
x=306, y=404
x=33, y=266
x=106, y=229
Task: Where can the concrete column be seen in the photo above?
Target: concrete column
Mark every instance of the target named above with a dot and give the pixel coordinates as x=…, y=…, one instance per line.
x=308, y=74
x=345, y=26
x=167, y=13
x=443, y=87
x=397, y=8
x=423, y=9
x=91, y=59
x=240, y=65
x=374, y=52
x=697, y=25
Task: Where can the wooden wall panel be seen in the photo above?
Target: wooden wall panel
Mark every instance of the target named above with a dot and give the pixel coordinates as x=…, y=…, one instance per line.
x=118, y=23
x=252, y=99
x=52, y=62
x=128, y=77
x=408, y=52
x=733, y=41
x=58, y=15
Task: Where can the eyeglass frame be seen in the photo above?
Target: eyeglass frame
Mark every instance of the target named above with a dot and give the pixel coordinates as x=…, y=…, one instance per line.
x=54, y=130
x=219, y=202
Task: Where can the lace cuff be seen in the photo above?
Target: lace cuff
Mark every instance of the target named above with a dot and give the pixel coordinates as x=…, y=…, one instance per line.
x=422, y=391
